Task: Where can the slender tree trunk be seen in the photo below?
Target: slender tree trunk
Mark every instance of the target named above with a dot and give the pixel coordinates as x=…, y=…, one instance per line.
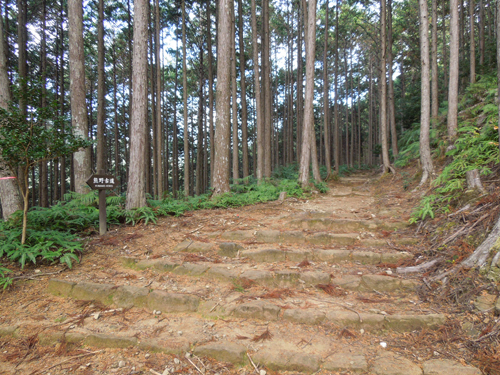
x=223, y=110
x=498, y=63
x=392, y=107
x=454, y=73
x=79, y=120
x=300, y=82
x=101, y=88
x=259, y=109
x=159, y=132
x=210, y=90
x=336, y=135
x=62, y=93
x=115, y=107
x=200, y=145
x=383, y=90
x=326, y=91
x=472, y=43
x=234, y=99
x=308, y=149
x=481, y=32
x=44, y=202
x=266, y=89
x=185, y=95
x=175, y=145
x=434, y=64
x=136, y=196
x=425, y=151
x=244, y=110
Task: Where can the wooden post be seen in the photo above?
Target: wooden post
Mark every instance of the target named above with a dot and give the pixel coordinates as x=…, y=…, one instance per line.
x=102, y=182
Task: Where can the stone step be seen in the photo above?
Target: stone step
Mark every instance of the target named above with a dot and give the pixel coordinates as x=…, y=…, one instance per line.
x=274, y=355
x=281, y=278
x=158, y=300
x=324, y=237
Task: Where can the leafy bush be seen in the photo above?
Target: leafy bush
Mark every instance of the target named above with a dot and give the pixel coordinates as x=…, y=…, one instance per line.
x=5, y=281
x=475, y=148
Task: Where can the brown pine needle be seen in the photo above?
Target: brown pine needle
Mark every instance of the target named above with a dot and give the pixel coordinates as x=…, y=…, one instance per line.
x=265, y=336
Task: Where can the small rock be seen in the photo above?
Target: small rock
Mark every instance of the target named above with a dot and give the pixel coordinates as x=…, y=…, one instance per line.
x=188, y=355
x=361, y=331
x=388, y=272
x=147, y=355
x=179, y=333
x=177, y=361
x=121, y=364
x=262, y=372
x=166, y=372
x=383, y=344
x=37, y=271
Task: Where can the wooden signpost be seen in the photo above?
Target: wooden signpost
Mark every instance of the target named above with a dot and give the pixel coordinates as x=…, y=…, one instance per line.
x=102, y=182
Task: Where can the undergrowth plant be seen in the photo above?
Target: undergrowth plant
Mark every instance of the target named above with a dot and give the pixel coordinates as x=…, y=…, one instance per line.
x=5, y=281
x=476, y=147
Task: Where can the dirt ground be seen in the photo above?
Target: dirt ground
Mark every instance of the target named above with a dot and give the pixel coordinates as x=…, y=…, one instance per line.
x=27, y=304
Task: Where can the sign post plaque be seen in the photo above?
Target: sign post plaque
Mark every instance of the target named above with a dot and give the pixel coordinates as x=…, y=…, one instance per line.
x=102, y=182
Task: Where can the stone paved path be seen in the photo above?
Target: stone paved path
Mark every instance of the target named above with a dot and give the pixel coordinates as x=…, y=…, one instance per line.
x=310, y=288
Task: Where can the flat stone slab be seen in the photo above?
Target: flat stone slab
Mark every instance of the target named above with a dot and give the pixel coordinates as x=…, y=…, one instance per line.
x=192, y=269
x=315, y=277
x=309, y=316
x=345, y=361
x=405, y=323
x=332, y=256
x=267, y=236
x=285, y=360
x=380, y=283
x=366, y=257
x=238, y=235
x=335, y=225
x=172, y=302
x=485, y=302
x=298, y=255
x=189, y=246
x=395, y=256
x=93, y=291
x=258, y=276
x=349, y=282
x=8, y=330
x=291, y=237
x=172, y=345
x=60, y=288
x=351, y=319
x=229, y=249
x=448, y=367
x=389, y=363
x=127, y=296
x=267, y=255
x=257, y=310
x=108, y=341
x=223, y=351
x=327, y=238
x=222, y=273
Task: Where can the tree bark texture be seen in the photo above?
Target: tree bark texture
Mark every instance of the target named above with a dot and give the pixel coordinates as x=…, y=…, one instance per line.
x=185, y=97
x=244, y=110
x=136, y=194
x=101, y=85
x=383, y=90
x=79, y=119
x=425, y=151
x=453, y=73
x=223, y=100
x=434, y=64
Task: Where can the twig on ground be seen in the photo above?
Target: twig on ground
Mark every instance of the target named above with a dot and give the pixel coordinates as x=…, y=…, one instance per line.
x=253, y=364
x=73, y=358
x=196, y=367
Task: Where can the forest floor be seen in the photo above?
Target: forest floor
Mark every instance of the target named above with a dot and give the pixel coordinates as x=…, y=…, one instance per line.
x=286, y=287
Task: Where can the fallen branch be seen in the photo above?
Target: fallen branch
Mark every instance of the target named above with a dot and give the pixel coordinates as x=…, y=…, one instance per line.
x=73, y=358
x=253, y=364
x=420, y=268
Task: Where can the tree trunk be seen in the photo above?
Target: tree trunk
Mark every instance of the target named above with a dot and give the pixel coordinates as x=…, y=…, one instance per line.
x=136, y=196
x=434, y=64
x=498, y=64
x=266, y=89
x=159, y=132
x=185, y=95
x=308, y=149
x=200, y=146
x=383, y=90
x=223, y=110
x=44, y=201
x=79, y=120
x=234, y=99
x=101, y=84
x=210, y=90
x=244, y=111
x=472, y=42
x=259, y=109
x=10, y=198
x=481, y=32
x=300, y=82
x=454, y=73
x=336, y=143
x=392, y=107
x=175, y=145
x=326, y=99
x=425, y=151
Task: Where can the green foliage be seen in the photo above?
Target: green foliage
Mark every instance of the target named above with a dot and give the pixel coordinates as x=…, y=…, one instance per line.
x=475, y=148
x=5, y=281
x=41, y=246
